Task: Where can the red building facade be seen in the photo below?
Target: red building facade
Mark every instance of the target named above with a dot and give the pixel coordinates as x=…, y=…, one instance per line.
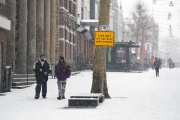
x=73, y=44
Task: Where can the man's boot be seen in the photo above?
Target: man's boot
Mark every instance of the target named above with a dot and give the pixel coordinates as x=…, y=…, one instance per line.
x=59, y=98
x=63, y=97
x=36, y=97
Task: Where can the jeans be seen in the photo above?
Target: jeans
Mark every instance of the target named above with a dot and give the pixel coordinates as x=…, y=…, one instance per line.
x=61, y=88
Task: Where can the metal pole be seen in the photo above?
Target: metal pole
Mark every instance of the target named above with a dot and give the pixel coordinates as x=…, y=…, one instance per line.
x=27, y=75
x=167, y=53
x=12, y=64
x=102, y=87
x=77, y=47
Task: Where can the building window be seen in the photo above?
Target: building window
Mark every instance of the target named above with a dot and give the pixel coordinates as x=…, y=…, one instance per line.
x=2, y=2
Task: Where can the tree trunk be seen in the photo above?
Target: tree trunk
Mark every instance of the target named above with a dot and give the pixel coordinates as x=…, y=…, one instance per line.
x=101, y=51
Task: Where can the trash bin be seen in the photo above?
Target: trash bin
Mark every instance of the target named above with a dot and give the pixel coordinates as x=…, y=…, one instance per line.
x=8, y=82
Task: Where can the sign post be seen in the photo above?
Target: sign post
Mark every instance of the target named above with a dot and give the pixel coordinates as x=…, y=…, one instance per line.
x=104, y=38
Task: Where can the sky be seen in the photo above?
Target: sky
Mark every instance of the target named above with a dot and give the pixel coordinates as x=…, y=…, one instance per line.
x=160, y=11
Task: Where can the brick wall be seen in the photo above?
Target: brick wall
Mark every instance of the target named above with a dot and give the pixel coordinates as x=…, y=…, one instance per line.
x=4, y=47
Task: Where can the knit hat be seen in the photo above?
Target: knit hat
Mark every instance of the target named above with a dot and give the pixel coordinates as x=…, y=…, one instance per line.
x=61, y=58
x=41, y=55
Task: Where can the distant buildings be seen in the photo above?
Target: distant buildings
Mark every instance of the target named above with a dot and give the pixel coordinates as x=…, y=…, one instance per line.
x=150, y=38
x=53, y=27
x=117, y=20
x=169, y=47
x=67, y=38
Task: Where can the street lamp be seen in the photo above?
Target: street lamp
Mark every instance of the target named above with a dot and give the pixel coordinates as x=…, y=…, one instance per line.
x=171, y=4
x=170, y=28
x=169, y=16
x=170, y=34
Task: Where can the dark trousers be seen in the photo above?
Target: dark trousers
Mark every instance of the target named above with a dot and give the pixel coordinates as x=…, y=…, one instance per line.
x=157, y=71
x=44, y=88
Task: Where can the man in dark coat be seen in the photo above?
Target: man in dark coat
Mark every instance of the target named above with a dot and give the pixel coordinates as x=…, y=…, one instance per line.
x=156, y=66
x=62, y=72
x=41, y=68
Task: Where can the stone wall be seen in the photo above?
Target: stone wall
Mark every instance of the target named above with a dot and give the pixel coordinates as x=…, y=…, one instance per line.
x=34, y=31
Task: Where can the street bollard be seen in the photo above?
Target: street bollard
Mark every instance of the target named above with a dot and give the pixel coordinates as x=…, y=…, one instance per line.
x=8, y=82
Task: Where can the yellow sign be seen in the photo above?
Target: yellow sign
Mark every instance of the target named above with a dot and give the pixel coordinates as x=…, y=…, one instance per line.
x=104, y=38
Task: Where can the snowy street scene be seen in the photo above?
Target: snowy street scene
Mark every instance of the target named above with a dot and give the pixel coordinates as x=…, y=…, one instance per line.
x=89, y=60
x=134, y=96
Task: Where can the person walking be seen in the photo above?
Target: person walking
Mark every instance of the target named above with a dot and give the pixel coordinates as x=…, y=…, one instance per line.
x=41, y=68
x=62, y=72
x=160, y=63
x=156, y=66
x=170, y=62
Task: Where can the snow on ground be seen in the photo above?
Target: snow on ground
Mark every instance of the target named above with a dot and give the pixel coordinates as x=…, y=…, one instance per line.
x=135, y=96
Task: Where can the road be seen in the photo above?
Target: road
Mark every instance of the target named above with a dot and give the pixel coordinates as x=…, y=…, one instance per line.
x=134, y=96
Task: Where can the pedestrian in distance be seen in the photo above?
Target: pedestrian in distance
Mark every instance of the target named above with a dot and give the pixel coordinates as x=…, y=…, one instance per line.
x=160, y=63
x=170, y=63
x=156, y=66
x=62, y=72
x=41, y=68
x=152, y=62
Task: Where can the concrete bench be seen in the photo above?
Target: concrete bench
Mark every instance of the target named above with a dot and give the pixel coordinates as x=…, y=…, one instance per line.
x=90, y=99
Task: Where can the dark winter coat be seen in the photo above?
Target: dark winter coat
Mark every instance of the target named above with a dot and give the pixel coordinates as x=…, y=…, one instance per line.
x=169, y=61
x=40, y=76
x=156, y=63
x=62, y=71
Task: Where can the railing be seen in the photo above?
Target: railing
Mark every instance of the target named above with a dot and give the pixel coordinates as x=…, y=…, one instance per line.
x=13, y=60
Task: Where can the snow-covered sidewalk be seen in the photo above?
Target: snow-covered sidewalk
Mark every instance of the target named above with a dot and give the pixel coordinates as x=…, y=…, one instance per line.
x=135, y=96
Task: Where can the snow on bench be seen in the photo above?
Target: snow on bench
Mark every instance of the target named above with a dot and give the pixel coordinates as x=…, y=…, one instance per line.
x=74, y=73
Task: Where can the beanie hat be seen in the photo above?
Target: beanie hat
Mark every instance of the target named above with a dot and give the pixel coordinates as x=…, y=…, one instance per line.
x=61, y=57
x=41, y=55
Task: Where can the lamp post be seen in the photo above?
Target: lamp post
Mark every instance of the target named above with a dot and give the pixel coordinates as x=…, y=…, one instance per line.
x=169, y=16
x=171, y=4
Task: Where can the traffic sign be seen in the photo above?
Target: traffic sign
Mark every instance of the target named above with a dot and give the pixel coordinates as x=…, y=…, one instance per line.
x=104, y=27
x=104, y=38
